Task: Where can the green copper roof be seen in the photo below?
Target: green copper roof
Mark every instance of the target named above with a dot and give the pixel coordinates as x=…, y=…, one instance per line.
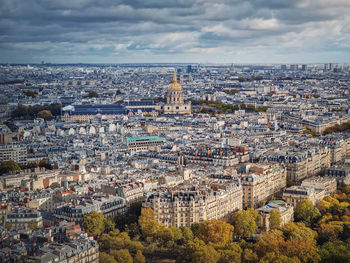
x=145, y=139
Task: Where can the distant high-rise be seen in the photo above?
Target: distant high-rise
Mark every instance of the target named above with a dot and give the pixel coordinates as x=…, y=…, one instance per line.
x=284, y=67
x=304, y=67
x=294, y=67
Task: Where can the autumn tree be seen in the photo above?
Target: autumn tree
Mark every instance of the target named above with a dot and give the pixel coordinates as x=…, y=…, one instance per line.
x=197, y=251
x=46, y=115
x=139, y=257
x=229, y=253
x=249, y=256
x=148, y=224
x=306, y=212
x=295, y=241
x=118, y=240
x=245, y=223
x=93, y=223
x=275, y=219
x=215, y=231
x=105, y=258
x=121, y=256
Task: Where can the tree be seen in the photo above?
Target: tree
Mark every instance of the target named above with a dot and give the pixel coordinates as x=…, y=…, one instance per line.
x=297, y=246
x=329, y=232
x=187, y=234
x=108, y=225
x=333, y=252
x=93, y=223
x=229, y=253
x=9, y=166
x=272, y=257
x=105, y=258
x=249, y=256
x=197, y=251
x=275, y=219
x=306, y=212
x=46, y=115
x=45, y=163
x=121, y=256
x=215, y=231
x=30, y=93
x=93, y=94
x=148, y=224
x=139, y=258
x=245, y=223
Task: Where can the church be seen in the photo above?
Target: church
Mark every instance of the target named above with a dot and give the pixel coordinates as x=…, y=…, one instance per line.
x=175, y=103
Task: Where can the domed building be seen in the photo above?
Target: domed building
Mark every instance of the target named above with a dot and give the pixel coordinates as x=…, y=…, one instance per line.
x=175, y=103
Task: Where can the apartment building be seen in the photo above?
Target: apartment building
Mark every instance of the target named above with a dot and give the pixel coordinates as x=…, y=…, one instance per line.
x=13, y=152
x=329, y=184
x=184, y=206
x=74, y=212
x=215, y=156
x=295, y=194
x=340, y=172
x=303, y=163
x=260, y=182
x=19, y=217
x=130, y=191
x=144, y=143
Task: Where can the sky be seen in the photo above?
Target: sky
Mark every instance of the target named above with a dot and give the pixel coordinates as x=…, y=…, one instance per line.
x=184, y=31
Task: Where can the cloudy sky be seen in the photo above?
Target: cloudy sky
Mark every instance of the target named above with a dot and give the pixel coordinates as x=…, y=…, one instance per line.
x=117, y=31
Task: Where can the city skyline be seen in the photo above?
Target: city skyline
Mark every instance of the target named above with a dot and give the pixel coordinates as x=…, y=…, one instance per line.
x=255, y=31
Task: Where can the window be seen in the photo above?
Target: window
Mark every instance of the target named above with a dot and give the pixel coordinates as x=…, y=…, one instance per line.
x=177, y=107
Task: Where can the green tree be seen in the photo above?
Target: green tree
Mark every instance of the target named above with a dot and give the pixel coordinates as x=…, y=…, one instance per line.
x=9, y=166
x=139, y=258
x=334, y=252
x=245, y=223
x=108, y=225
x=121, y=256
x=93, y=94
x=93, y=223
x=45, y=163
x=275, y=219
x=105, y=258
x=306, y=212
x=46, y=115
x=187, y=234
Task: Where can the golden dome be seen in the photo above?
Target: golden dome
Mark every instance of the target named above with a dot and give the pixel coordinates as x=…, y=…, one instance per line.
x=174, y=86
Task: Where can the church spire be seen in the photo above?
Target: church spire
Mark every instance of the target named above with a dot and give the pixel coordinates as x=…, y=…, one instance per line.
x=175, y=78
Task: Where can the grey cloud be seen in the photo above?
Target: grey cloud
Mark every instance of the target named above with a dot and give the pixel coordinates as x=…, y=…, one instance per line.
x=108, y=29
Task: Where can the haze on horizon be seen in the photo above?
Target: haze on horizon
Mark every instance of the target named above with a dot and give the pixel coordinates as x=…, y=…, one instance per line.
x=141, y=31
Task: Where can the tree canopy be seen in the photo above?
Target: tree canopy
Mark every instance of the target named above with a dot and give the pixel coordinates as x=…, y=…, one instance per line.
x=245, y=223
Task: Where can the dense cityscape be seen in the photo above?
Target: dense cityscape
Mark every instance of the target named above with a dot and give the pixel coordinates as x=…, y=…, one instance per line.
x=175, y=162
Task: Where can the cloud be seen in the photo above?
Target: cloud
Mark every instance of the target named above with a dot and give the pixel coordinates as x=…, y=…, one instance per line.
x=177, y=31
